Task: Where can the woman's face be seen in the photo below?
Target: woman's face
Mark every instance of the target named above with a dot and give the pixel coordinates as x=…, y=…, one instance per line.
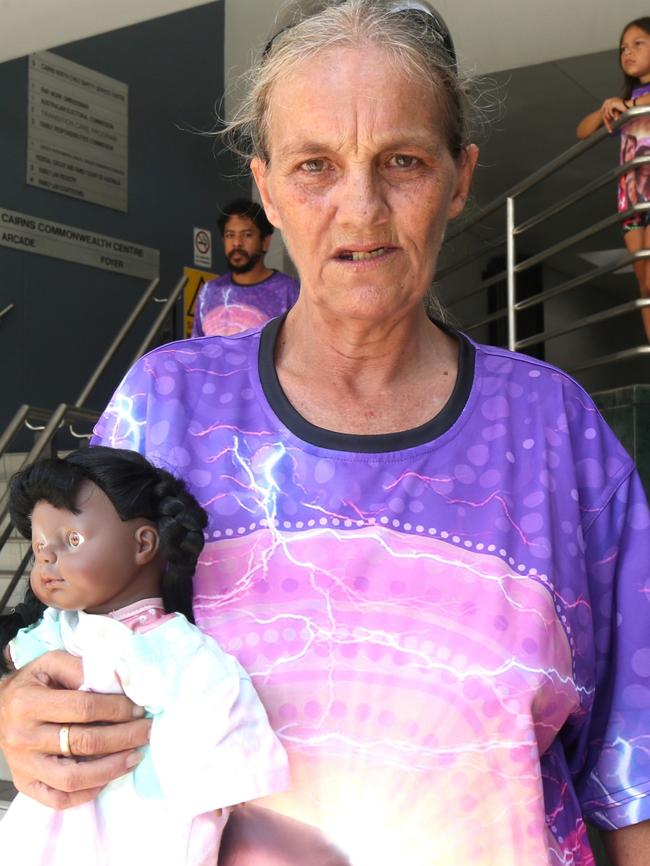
x=360, y=182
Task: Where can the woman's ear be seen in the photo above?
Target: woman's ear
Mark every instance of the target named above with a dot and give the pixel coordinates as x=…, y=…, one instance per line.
x=260, y=171
x=465, y=171
x=147, y=542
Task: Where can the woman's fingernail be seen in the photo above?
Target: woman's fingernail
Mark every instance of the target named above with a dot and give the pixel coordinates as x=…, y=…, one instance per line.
x=138, y=712
x=133, y=759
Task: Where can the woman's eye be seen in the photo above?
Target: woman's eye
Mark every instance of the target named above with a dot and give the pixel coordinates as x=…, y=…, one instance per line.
x=75, y=538
x=313, y=166
x=403, y=160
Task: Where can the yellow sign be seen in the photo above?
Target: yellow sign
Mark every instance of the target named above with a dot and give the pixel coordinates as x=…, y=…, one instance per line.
x=195, y=280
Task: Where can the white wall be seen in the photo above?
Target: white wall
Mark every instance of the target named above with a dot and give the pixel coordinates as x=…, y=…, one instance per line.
x=504, y=34
x=499, y=34
x=34, y=25
x=489, y=36
x=246, y=24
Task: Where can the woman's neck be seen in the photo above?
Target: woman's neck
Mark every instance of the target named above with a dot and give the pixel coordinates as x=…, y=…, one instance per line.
x=370, y=376
x=358, y=351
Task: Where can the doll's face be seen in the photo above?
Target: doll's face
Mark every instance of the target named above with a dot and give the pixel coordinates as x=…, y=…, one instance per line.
x=92, y=561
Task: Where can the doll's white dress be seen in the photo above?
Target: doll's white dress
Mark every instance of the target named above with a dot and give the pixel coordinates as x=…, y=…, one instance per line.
x=211, y=745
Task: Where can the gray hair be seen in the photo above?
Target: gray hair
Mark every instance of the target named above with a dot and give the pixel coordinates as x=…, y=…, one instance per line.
x=417, y=43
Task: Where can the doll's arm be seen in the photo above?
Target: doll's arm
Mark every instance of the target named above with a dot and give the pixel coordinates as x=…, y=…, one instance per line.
x=32, y=642
x=211, y=742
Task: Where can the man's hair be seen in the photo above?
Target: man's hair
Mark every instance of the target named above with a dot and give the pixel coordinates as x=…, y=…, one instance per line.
x=244, y=207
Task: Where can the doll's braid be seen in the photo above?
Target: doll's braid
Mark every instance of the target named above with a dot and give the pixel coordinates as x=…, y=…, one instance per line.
x=181, y=522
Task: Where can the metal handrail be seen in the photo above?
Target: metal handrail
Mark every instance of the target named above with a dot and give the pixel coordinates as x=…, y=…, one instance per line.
x=582, y=193
x=160, y=318
x=144, y=346
x=586, y=321
x=26, y=414
x=53, y=421
x=514, y=231
x=573, y=283
x=47, y=422
x=13, y=583
x=117, y=342
x=5, y=310
x=548, y=169
x=547, y=294
x=623, y=355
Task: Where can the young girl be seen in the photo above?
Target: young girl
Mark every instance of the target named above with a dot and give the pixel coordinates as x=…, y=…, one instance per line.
x=115, y=544
x=635, y=139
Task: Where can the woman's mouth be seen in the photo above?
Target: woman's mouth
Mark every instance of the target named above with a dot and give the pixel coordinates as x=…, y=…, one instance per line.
x=360, y=256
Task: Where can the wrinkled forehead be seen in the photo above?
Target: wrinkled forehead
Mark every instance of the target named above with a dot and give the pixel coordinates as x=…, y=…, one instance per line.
x=342, y=91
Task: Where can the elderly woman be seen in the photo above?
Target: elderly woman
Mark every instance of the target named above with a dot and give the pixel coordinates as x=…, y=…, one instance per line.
x=431, y=555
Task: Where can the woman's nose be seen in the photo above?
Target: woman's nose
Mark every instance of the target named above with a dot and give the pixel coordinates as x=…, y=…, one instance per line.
x=361, y=198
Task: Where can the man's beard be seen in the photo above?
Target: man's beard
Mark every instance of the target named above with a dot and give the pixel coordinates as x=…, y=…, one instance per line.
x=249, y=261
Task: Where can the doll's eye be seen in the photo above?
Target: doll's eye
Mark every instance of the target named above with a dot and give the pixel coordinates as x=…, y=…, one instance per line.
x=74, y=539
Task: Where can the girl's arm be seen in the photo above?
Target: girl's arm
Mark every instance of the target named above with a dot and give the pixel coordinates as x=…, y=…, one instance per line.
x=608, y=112
x=589, y=124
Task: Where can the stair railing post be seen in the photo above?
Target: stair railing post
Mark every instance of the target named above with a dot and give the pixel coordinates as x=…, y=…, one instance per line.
x=511, y=284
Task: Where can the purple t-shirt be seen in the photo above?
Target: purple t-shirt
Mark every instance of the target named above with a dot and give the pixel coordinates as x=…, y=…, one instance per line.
x=224, y=307
x=449, y=627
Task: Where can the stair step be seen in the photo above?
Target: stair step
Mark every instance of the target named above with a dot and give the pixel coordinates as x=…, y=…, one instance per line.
x=12, y=553
x=10, y=463
x=19, y=592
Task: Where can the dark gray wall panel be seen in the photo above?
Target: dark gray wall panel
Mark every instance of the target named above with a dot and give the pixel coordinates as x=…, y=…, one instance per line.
x=66, y=314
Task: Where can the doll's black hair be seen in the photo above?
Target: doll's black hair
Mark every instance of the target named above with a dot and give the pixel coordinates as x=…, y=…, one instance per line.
x=136, y=488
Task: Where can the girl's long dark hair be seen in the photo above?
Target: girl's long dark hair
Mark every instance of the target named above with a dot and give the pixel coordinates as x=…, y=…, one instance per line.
x=136, y=488
x=629, y=82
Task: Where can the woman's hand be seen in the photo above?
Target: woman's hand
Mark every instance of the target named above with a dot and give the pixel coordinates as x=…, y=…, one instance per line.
x=611, y=109
x=36, y=702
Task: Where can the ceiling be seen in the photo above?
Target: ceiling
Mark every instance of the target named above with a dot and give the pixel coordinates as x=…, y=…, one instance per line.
x=519, y=32
x=35, y=25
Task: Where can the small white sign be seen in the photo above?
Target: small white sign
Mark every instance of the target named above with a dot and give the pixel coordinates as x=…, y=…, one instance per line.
x=31, y=234
x=202, y=248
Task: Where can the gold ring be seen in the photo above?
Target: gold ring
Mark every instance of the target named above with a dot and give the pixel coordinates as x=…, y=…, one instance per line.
x=64, y=741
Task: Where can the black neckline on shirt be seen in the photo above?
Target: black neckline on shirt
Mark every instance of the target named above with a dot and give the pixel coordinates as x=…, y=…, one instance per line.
x=364, y=444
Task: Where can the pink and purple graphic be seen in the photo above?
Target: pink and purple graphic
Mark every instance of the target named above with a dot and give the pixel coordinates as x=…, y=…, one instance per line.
x=431, y=624
x=224, y=307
